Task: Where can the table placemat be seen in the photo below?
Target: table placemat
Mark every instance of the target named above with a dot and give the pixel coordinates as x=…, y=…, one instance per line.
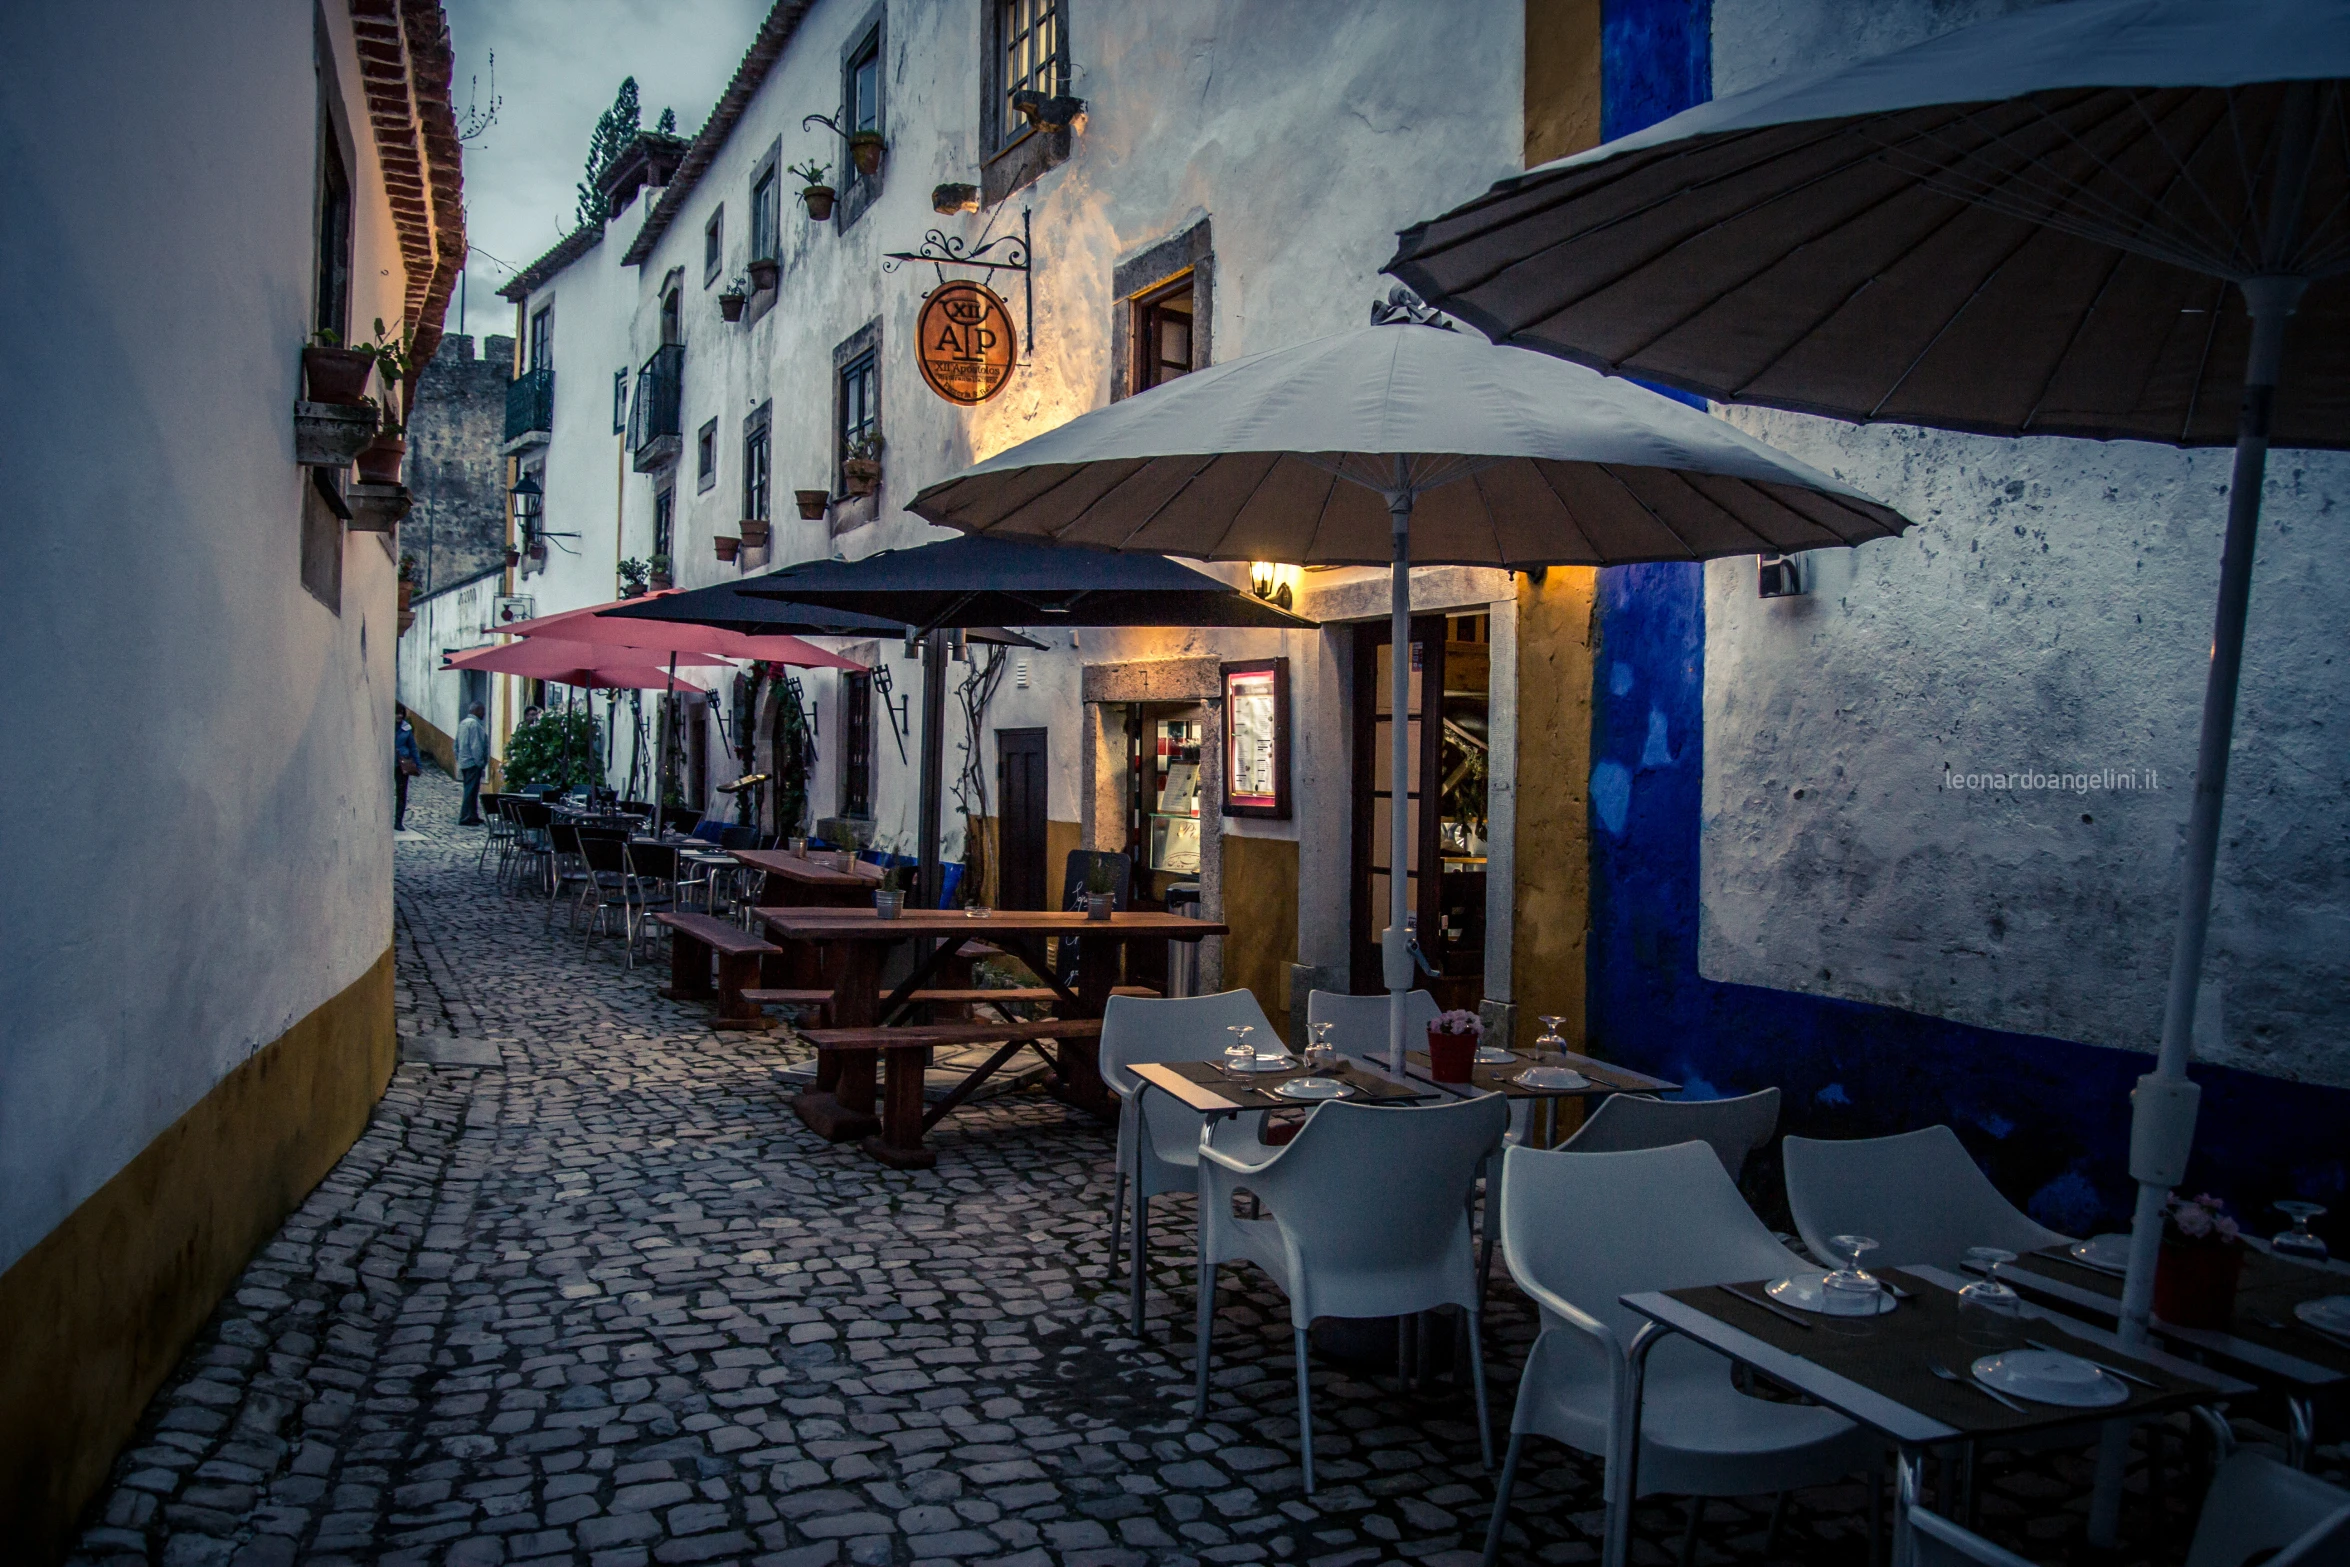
x=2266, y=1292
x=1496, y=1078
x=1253, y=1094
x=1888, y=1356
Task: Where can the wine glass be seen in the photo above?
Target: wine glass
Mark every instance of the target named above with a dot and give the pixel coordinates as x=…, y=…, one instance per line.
x=1322, y=1055
x=1850, y=1291
x=1990, y=1315
x=2299, y=1241
x=1240, y=1057
x=1986, y=1259
x=1550, y=1043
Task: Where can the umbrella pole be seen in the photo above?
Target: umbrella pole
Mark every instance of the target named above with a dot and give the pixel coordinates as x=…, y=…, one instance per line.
x=2162, y=1120
x=928, y=830
x=1394, y=953
x=661, y=754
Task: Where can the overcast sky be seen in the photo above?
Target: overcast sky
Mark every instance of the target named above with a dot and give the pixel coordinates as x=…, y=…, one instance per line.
x=559, y=63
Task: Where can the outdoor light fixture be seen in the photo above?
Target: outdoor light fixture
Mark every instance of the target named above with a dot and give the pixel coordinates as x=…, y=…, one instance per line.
x=1778, y=577
x=1272, y=582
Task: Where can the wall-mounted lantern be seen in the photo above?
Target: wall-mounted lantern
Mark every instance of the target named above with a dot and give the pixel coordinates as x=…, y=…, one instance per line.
x=1273, y=582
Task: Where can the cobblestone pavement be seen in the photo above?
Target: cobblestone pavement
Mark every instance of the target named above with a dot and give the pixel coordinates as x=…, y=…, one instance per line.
x=606, y=1301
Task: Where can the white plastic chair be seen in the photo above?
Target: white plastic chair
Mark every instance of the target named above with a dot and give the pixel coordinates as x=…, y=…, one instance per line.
x=1580, y=1231
x=1919, y=1195
x=1158, y=1138
x=1369, y=1217
x=2255, y=1504
x=1361, y=1034
x=1733, y=1128
x=2258, y=1504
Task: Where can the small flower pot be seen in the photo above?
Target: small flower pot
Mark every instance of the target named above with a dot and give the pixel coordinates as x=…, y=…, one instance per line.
x=1100, y=905
x=812, y=503
x=407, y=592
x=861, y=475
x=513, y=559
x=888, y=905
x=2195, y=1286
x=380, y=462
x=632, y=590
x=336, y=375
x=730, y=304
x=727, y=547
x=765, y=274
x=1451, y=1056
x=754, y=531
x=866, y=150
x=658, y=583
x=819, y=199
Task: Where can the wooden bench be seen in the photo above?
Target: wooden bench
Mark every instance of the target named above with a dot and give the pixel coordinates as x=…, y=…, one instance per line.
x=694, y=940
x=906, y=1052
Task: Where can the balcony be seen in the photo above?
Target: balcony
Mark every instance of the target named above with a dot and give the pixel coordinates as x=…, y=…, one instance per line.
x=530, y=411
x=653, y=432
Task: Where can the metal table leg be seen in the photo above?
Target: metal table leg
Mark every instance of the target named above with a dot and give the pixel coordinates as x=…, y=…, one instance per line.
x=2301, y=1430
x=1623, y=1481
x=1908, y=1476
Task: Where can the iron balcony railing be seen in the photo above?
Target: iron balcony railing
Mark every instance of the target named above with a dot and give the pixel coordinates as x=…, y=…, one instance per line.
x=653, y=431
x=530, y=405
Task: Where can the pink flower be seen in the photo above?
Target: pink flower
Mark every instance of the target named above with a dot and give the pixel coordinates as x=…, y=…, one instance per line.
x=1460, y=1021
x=2211, y=1202
x=2193, y=1220
x=2227, y=1229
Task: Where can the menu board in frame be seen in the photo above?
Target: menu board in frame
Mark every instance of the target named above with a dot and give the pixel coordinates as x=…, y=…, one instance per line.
x=1256, y=738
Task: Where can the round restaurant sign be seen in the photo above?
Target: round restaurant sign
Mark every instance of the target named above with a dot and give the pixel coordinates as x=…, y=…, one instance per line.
x=965, y=343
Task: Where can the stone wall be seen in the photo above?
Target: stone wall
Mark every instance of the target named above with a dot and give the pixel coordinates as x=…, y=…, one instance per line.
x=458, y=526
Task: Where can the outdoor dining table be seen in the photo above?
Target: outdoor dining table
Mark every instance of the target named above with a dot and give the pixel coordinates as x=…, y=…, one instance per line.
x=1877, y=1372
x=840, y=1105
x=818, y=880
x=2265, y=1343
x=1600, y=1079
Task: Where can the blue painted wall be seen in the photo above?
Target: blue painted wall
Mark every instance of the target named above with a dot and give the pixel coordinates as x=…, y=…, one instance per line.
x=2048, y=1118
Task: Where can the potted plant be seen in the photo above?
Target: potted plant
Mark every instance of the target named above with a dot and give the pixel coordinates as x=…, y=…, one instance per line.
x=332, y=373
x=657, y=576
x=812, y=503
x=727, y=546
x=1101, y=898
x=866, y=149
x=1452, y=1045
x=394, y=356
x=734, y=299
x=860, y=470
x=633, y=573
x=766, y=273
x=513, y=559
x=379, y=463
x=407, y=579
x=2195, y=1275
x=754, y=531
x=889, y=899
x=818, y=195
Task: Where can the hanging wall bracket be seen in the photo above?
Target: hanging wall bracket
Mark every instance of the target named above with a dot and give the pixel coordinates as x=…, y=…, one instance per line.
x=1001, y=253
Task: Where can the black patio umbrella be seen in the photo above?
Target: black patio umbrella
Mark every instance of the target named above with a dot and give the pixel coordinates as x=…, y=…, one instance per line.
x=973, y=586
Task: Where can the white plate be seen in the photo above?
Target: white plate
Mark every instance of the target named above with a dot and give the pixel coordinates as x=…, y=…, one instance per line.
x=2045, y=1377
x=2329, y=1313
x=1494, y=1055
x=1314, y=1088
x=1282, y=1063
x=1804, y=1292
x=2110, y=1252
x=1551, y=1077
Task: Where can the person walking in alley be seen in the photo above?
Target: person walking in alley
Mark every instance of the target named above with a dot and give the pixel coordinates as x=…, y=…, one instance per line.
x=473, y=759
x=406, y=764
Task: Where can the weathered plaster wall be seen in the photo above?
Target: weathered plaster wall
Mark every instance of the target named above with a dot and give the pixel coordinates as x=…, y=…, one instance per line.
x=161, y=664
x=1550, y=908
x=457, y=527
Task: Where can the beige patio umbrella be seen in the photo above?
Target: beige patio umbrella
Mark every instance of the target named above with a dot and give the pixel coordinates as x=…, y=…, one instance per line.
x=1399, y=444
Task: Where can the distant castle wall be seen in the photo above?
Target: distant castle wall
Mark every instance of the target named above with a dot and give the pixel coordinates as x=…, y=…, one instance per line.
x=458, y=526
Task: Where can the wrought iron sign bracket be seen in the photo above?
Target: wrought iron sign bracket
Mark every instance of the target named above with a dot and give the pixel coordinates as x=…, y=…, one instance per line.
x=1003, y=253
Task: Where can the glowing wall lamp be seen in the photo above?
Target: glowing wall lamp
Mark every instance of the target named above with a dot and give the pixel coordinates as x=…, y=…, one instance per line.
x=1273, y=582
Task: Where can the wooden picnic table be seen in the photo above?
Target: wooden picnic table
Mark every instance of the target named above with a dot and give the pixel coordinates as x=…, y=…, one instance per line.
x=802, y=879
x=841, y=1106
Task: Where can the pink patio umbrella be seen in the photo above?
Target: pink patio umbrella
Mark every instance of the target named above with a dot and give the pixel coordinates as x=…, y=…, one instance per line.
x=581, y=664
x=661, y=637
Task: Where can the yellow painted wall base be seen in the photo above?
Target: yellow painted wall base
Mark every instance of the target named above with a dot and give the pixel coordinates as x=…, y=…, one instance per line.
x=435, y=744
x=1260, y=904
x=1553, y=895
x=94, y=1317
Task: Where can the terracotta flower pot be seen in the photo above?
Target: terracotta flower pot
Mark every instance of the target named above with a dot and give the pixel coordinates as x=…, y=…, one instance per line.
x=819, y=199
x=2195, y=1286
x=336, y=375
x=766, y=272
x=513, y=559
x=1450, y=1056
x=380, y=462
x=730, y=305
x=407, y=620
x=754, y=531
x=659, y=583
x=726, y=546
x=866, y=150
x=407, y=591
x=812, y=503
x=861, y=475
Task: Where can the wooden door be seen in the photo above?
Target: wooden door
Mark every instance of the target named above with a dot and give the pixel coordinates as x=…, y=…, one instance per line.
x=1374, y=791
x=1020, y=818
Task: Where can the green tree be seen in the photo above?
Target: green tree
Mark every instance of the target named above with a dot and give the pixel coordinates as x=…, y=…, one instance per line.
x=559, y=749
x=615, y=128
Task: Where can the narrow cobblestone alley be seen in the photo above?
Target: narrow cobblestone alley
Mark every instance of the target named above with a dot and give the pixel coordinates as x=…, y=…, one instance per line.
x=600, y=1298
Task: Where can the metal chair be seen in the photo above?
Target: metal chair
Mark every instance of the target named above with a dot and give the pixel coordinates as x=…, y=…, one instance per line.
x=1919, y=1195
x=531, y=852
x=1369, y=1218
x=606, y=859
x=651, y=886
x=493, y=827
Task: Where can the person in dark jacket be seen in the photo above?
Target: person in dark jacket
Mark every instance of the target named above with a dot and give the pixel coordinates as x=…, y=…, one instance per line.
x=406, y=764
